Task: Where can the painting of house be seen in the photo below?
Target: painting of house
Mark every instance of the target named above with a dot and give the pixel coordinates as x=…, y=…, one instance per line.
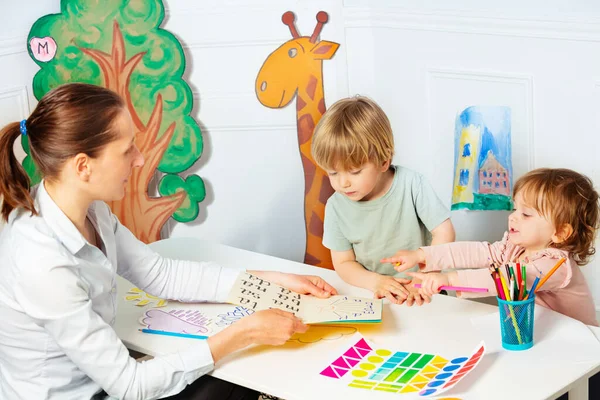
x=493, y=177
x=482, y=159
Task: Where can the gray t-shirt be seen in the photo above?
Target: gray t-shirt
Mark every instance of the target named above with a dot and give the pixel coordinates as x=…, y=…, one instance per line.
x=399, y=220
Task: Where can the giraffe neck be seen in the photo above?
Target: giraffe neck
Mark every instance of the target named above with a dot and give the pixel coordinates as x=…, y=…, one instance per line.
x=310, y=107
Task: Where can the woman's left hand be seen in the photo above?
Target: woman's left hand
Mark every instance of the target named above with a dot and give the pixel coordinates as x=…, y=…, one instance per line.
x=303, y=284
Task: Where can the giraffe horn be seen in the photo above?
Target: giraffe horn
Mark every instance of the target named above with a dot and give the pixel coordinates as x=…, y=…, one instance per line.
x=322, y=18
x=288, y=18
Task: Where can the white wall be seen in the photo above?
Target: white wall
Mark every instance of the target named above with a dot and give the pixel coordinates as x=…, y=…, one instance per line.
x=421, y=60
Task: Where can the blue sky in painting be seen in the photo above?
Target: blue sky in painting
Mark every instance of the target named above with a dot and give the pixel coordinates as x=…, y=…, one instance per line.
x=494, y=124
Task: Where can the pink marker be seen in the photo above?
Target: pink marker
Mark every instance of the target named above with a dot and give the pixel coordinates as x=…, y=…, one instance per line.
x=459, y=288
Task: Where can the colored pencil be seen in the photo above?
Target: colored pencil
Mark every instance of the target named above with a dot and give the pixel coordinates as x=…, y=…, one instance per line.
x=549, y=274
x=459, y=288
x=532, y=290
x=167, y=333
x=524, y=276
x=504, y=288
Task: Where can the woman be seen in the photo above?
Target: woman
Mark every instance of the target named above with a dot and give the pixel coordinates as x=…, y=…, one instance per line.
x=62, y=248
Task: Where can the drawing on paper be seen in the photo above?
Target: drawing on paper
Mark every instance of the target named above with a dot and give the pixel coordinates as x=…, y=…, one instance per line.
x=483, y=175
x=364, y=367
x=344, y=307
x=230, y=317
x=177, y=320
x=142, y=298
x=256, y=294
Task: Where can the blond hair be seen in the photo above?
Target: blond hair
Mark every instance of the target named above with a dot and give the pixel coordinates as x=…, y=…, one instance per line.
x=564, y=197
x=353, y=132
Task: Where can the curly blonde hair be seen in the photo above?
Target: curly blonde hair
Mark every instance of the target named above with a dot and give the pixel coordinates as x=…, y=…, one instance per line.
x=353, y=132
x=564, y=197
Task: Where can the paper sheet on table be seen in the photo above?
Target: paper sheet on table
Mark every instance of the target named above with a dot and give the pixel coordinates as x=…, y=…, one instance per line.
x=555, y=337
x=361, y=365
x=256, y=294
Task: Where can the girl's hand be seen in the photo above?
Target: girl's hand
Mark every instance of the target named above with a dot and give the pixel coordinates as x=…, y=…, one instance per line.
x=430, y=282
x=391, y=288
x=303, y=284
x=406, y=259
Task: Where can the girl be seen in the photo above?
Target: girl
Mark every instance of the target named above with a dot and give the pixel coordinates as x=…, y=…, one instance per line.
x=62, y=248
x=556, y=216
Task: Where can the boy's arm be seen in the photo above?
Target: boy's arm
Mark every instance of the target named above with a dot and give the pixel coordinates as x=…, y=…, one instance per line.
x=432, y=211
x=352, y=272
x=443, y=233
x=345, y=264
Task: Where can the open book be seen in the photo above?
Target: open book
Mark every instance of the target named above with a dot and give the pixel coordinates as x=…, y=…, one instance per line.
x=257, y=294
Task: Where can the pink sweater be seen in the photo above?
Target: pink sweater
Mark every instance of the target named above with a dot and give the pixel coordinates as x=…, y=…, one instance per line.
x=565, y=292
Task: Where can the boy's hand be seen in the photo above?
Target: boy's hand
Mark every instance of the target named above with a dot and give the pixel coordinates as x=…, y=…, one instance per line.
x=391, y=288
x=415, y=296
x=405, y=259
x=430, y=282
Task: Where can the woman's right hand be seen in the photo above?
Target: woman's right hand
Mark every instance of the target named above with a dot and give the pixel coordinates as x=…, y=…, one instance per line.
x=272, y=327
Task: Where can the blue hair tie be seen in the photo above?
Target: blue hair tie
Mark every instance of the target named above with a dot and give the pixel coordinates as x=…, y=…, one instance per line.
x=23, y=128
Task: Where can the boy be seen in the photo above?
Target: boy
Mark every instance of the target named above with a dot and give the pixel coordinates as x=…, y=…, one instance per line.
x=378, y=208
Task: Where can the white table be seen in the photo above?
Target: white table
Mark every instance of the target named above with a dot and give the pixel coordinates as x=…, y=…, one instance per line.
x=441, y=327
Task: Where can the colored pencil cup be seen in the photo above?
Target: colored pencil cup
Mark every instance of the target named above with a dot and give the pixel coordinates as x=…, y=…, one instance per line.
x=516, y=323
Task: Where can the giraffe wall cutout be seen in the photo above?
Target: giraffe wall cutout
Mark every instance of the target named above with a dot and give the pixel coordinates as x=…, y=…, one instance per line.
x=295, y=69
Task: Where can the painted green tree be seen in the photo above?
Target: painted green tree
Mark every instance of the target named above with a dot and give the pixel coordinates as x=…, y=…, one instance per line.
x=119, y=44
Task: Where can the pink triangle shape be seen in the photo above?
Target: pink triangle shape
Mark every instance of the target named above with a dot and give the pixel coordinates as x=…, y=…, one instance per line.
x=351, y=361
x=352, y=354
x=363, y=352
x=340, y=362
x=329, y=373
x=339, y=371
x=363, y=344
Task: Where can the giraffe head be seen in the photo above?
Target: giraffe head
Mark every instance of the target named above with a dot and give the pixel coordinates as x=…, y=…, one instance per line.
x=292, y=64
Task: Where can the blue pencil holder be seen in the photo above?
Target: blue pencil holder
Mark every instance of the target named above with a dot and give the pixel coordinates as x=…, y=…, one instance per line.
x=516, y=323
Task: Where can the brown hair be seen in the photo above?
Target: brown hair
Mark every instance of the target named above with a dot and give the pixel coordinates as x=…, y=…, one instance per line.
x=564, y=197
x=71, y=119
x=353, y=132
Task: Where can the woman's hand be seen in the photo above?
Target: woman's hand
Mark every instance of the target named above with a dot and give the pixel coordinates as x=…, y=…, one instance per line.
x=272, y=327
x=303, y=284
x=267, y=327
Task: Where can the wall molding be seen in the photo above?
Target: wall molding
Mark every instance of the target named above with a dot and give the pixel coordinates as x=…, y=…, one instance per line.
x=576, y=28
x=237, y=43
x=13, y=45
x=495, y=77
x=22, y=96
x=244, y=128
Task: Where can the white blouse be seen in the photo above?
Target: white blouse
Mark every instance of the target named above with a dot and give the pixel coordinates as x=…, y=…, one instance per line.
x=58, y=304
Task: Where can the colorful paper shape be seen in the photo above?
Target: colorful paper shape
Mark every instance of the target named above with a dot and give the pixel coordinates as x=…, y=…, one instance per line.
x=178, y=321
x=142, y=298
x=400, y=372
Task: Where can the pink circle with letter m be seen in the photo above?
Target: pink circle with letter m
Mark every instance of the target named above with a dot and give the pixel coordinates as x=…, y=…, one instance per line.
x=43, y=49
